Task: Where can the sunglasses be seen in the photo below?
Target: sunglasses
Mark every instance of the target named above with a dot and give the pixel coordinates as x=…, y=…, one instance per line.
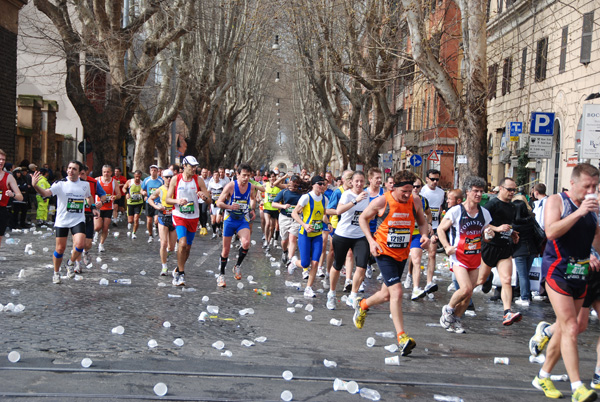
x=320, y=183
x=167, y=177
x=417, y=186
x=511, y=190
x=434, y=178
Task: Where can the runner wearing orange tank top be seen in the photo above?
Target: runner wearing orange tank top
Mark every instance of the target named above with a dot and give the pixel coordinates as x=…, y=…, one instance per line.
x=8, y=189
x=113, y=193
x=397, y=212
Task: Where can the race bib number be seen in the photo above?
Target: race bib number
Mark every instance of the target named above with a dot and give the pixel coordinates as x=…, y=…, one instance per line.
x=506, y=235
x=435, y=214
x=472, y=245
x=270, y=197
x=1, y=193
x=151, y=191
x=577, y=270
x=398, y=237
x=136, y=197
x=317, y=226
x=216, y=195
x=355, y=218
x=75, y=206
x=243, y=208
x=290, y=209
x=188, y=208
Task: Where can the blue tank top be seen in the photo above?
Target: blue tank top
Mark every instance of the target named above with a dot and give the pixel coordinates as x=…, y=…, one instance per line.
x=243, y=200
x=373, y=222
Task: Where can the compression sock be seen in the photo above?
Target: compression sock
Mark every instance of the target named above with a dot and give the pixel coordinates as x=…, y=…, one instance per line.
x=241, y=256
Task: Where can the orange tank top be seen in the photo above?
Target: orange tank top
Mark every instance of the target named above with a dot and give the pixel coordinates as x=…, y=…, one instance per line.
x=395, y=228
x=109, y=189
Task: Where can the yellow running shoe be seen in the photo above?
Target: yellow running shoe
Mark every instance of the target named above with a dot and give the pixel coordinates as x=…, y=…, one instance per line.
x=582, y=394
x=406, y=344
x=359, y=315
x=546, y=385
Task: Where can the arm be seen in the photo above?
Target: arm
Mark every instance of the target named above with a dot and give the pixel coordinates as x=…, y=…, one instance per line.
x=441, y=233
x=12, y=183
x=117, y=194
x=171, y=192
x=41, y=191
x=253, y=202
x=296, y=216
x=280, y=182
x=422, y=222
x=227, y=192
x=204, y=194
x=126, y=189
x=555, y=226
x=367, y=216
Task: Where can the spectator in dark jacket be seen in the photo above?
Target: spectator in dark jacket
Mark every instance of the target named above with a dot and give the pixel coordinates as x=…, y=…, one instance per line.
x=526, y=249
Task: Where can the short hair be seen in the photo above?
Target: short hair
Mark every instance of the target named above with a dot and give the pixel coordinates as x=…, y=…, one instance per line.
x=358, y=173
x=432, y=171
x=504, y=180
x=347, y=173
x=458, y=193
x=79, y=165
x=245, y=167
x=138, y=172
x=373, y=170
x=107, y=167
x=271, y=173
x=220, y=168
x=404, y=176
x=2, y=152
x=120, y=170
x=540, y=188
x=584, y=168
x=43, y=171
x=473, y=181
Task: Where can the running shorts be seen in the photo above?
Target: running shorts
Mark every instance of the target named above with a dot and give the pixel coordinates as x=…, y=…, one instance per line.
x=134, y=209
x=231, y=226
x=391, y=270
x=288, y=226
x=491, y=254
x=360, y=248
x=310, y=249
x=79, y=228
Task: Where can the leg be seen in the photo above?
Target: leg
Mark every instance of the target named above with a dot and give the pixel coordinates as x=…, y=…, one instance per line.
x=106, y=223
x=505, y=272
x=461, y=297
x=431, y=254
x=163, y=233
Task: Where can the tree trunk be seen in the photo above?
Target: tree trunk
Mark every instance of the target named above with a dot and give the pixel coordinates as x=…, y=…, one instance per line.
x=145, y=146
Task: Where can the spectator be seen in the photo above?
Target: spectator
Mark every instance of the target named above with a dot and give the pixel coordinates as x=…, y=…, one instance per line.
x=20, y=207
x=526, y=249
x=539, y=193
x=42, y=202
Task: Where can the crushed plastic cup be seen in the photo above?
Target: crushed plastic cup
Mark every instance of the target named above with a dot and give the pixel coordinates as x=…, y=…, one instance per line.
x=369, y=393
x=247, y=343
x=335, y=322
x=261, y=339
x=308, y=317
x=152, y=343
x=173, y=296
x=89, y=266
x=253, y=242
x=116, y=234
x=9, y=307
x=344, y=298
x=246, y=311
x=167, y=324
x=559, y=377
x=352, y=387
x=14, y=356
x=104, y=266
x=227, y=353
x=203, y=316
x=501, y=360
x=118, y=330
x=290, y=300
x=28, y=247
x=287, y=375
x=45, y=249
x=299, y=306
x=78, y=278
x=218, y=345
x=178, y=342
x=22, y=273
x=212, y=309
x=392, y=361
x=104, y=282
x=391, y=348
x=160, y=389
x=339, y=385
x=291, y=310
x=277, y=272
x=388, y=334
x=309, y=307
x=142, y=272
x=205, y=299
x=240, y=285
x=329, y=363
x=86, y=362
x=128, y=234
x=286, y=396
x=370, y=341
x=14, y=292
x=538, y=359
x=98, y=259
x=19, y=308
x=31, y=252
x=250, y=278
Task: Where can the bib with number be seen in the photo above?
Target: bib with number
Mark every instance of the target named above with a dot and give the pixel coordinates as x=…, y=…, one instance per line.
x=355, y=218
x=435, y=214
x=317, y=226
x=136, y=197
x=290, y=209
x=398, y=237
x=187, y=208
x=577, y=270
x=75, y=205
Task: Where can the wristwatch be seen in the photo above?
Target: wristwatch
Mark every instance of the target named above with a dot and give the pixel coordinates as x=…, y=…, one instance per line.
x=354, y=202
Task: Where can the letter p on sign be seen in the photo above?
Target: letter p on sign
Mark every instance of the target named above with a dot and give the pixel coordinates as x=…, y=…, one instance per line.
x=542, y=123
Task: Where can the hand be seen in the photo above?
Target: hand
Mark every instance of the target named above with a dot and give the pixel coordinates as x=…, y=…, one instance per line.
x=362, y=196
x=113, y=197
x=504, y=228
x=287, y=206
x=35, y=178
x=9, y=193
x=98, y=205
x=96, y=213
x=594, y=263
x=450, y=250
x=201, y=195
x=234, y=207
x=515, y=236
x=376, y=249
x=252, y=214
x=588, y=205
x=425, y=241
x=182, y=201
x=308, y=228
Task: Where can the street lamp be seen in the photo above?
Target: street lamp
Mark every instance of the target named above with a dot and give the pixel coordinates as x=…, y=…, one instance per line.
x=276, y=44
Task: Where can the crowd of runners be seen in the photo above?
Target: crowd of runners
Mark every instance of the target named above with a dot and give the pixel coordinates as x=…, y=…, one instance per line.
x=349, y=227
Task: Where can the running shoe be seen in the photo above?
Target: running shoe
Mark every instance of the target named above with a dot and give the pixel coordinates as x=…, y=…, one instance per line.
x=221, y=281
x=348, y=285
x=522, y=302
x=101, y=248
x=451, y=287
x=417, y=293
x=408, y=281
x=380, y=277
x=114, y=223
x=292, y=265
x=77, y=268
x=150, y=239
x=309, y=293
x=351, y=301
x=129, y=226
x=133, y=236
x=406, y=344
x=343, y=271
x=431, y=287
x=470, y=310
x=546, y=385
x=359, y=314
x=595, y=384
x=510, y=318
x=284, y=257
x=539, y=340
x=305, y=273
x=369, y=272
x=181, y=280
x=95, y=239
x=237, y=272
x=70, y=271
x=447, y=317
x=265, y=244
x=178, y=278
x=164, y=271
x=320, y=272
x=456, y=326
x=487, y=285
x=85, y=256
x=582, y=394
x=361, y=288
x=331, y=300
x=214, y=236
x=56, y=278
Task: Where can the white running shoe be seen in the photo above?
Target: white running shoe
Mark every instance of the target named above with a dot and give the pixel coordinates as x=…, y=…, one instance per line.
x=265, y=244
x=320, y=272
x=133, y=236
x=95, y=240
x=150, y=239
x=522, y=302
x=292, y=265
x=305, y=273
x=56, y=278
x=129, y=226
x=348, y=285
x=351, y=301
x=309, y=293
x=408, y=282
x=331, y=300
x=369, y=272
x=85, y=256
x=361, y=288
x=101, y=248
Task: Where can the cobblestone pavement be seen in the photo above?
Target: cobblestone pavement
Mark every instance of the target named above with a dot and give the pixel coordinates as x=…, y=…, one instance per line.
x=62, y=324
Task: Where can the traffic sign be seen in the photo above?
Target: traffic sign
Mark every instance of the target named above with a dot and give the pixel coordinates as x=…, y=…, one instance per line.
x=88, y=147
x=433, y=156
x=540, y=146
x=515, y=128
x=416, y=160
x=542, y=123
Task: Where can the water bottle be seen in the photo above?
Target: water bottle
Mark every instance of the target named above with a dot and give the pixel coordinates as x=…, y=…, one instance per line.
x=329, y=363
x=388, y=334
x=123, y=281
x=445, y=398
x=13, y=241
x=370, y=394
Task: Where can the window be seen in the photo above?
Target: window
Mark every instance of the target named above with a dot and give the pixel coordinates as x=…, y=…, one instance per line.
x=586, y=38
x=492, y=81
x=409, y=120
x=500, y=6
x=541, y=56
x=427, y=123
x=563, y=50
x=506, y=75
x=523, y=67
x=423, y=115
x=435, y=106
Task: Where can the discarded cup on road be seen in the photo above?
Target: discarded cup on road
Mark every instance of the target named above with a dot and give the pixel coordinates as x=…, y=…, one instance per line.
x=212, y=309
x=167, y=324
x=247, y=343
x=227, y=353
x=240, y=285
x=298, y=306
x=392, y=361
x=277, y=272
x=86, y=362
x=261, y=339
x=78, y=278
x=218, y=345
x=250, y=278
x=559, y=377
x=290, y=300
x=352, y=387
x=286, y=396
x=118, y=330
x=391, y=348
x=537, y=359
x=45, y=249
x=104, y=266
x=28, y=247
x=309, y=307
x=142, y=272
x=339, y=385
x=15, y=292
x=369, y=393
x=173, y=296
x=205, y=299
x=98, y=259
x=337, y=323
x=287, y=375
x=388, y=334
x=152, y=343
x=178, y=342
x=123, y=281
x=160, y=389
x=104, y=282
x=203, y=316
x=329, y=363
x=22, y=273
x=370, y=341
x=9, y=307
x=501, y=360
x=116, y=234
x=447, y=398
x=308, y=317
x=14, y=356
x=291, y=310
x=19, y=308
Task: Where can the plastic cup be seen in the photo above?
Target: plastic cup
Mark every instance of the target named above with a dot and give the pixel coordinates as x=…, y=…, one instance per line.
x=14, y=356
x=352, y=387
x=160, y=389
x=291, y=310
x=339, y=385
x=277, y=272
x=218, y=345
x=290, y=300
x=167, y=324
x=392, y=361
x=286, y=396
x=287, y=375
x=308, y=317
x=119, y=330
x=227, y=353
x=309, y=308
x=86, y=363
x=203, y=316
x=261, y=339
x=178, y=342
x=212, y=309
x=205, y=299
x=391, y=348
x=152, y=343
x=370, y=341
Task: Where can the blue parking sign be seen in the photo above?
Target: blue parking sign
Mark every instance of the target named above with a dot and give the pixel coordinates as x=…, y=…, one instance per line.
x=542, y=123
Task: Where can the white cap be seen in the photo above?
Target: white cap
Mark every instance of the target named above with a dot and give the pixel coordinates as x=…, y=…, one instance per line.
x=190, y=160
x=227, y=171
x=167, y=172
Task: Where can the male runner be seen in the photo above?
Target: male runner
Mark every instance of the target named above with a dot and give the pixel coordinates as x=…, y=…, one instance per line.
x=271, y=213
x=99, y=195
x=135, y=201
x=204, y=206
x=215, y=188
x=435, y=198
x=113, y=192
x=149, y=186
x=119, y=205
x=166, y=230
x=8, y=190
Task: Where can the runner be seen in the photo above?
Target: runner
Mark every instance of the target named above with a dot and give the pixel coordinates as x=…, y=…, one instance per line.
x=310, y=239
x=389, y=183
x=204, y=206
x=99, y=195
x=184, y=193
x=398, y=210
x=238, y=200
x=166, y=230
x=348, y=236
x=467, y=223
x=8, y=190
x=215, y=187
x=135, y=202
x=271, y=213
x=71, y=195
x=498, y=251
x=375, y=190
x=119, y=205
x=416, y=252
x=571, y=223
x=149, y=186
x=111, y=188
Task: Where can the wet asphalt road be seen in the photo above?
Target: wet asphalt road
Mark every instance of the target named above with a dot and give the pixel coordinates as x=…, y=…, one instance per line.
x=62, y=324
